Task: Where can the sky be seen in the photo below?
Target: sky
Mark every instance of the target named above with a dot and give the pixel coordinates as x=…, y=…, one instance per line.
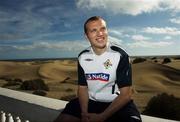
x=54, y=28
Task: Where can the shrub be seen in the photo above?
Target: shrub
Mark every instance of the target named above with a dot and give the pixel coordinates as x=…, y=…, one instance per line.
x=11, y=83
x=177, y=58
x=7, y=79
x=68, y=97
x=164, y=106
x=155, y=61
x=166, y=60
x=39, y=92
x=69, y=90
x=37, y=84
x=65, y=80
x=138, y=60
x=153, y=58
x=18, y=80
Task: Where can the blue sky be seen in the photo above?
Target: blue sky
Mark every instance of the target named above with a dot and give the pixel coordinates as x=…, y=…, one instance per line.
x=54, y=28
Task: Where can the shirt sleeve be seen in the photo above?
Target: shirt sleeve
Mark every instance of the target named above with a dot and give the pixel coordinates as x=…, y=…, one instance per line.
x=81, y=76
x=124, y=72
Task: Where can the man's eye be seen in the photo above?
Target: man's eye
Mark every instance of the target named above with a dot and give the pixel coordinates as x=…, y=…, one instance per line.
x=94, y=30
x=103, y=29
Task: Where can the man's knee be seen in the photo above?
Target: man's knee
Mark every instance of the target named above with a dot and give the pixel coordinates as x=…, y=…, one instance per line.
x=66, y=118
x=135, y=119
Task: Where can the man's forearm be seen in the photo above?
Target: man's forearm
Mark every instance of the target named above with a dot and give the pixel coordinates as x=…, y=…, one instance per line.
x=83, y=98
x=118, y=103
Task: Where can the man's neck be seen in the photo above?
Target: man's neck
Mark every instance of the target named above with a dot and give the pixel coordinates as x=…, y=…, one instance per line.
x=99, y=51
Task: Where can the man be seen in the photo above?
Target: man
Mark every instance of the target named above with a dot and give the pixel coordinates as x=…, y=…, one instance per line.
x=104, y=81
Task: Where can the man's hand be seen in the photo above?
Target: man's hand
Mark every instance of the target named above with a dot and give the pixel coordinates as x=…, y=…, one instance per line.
x=93, y=117
x=84, y=117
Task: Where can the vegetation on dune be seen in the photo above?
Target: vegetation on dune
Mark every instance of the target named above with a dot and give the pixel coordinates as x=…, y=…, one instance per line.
x=68, y=97
x=155, y=61
x=40, y=92
x=153, y=58
x=69, y=90
x=65, y=80
x=163, y=106
x=166, y=60
x=12, y=82
x=36, y=84
x=177, y=58
x=138, y=60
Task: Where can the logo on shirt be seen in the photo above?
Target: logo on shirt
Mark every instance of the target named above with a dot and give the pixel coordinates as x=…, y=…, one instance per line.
x=88, y=59
x=107, y=64
x=97, y=76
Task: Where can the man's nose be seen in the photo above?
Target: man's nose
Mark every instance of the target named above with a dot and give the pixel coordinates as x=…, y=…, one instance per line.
x=99, y=33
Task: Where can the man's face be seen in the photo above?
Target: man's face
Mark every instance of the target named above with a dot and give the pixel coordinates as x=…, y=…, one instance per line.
x=97, y=33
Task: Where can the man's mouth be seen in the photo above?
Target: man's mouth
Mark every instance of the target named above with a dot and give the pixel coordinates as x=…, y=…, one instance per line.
x=100, y=39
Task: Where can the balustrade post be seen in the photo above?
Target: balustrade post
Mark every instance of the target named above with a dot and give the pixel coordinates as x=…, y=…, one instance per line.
x=3, y=117
x=9, y=118
x=17, y=119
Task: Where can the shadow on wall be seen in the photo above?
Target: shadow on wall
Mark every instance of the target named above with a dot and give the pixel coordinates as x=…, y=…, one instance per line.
x=27, y=111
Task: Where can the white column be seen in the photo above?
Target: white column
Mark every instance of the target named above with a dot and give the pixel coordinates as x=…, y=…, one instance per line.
x=2, y=117
x=17, y=119
x=9, y=118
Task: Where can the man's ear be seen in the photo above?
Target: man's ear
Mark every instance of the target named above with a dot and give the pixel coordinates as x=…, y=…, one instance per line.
x=85, y=35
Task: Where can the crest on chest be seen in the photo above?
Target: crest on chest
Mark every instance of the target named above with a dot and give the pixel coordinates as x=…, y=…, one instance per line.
x=107, y=64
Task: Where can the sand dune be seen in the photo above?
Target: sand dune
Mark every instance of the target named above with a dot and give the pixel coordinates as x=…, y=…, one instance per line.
x=19, y=70
x=152, y=76
x=54, y=70
x=59, y=71
x=175, y=64
x=149, y=78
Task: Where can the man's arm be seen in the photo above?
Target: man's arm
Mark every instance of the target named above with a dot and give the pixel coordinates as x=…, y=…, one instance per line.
x=117, y=103
x=83, y=100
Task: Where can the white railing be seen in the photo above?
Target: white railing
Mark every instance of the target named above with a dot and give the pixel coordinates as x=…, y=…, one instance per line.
x=9, y=118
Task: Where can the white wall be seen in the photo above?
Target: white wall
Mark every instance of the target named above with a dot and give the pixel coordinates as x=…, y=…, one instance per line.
x=40, y=109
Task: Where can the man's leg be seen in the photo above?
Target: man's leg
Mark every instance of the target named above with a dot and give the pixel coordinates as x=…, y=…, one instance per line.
x=67, y=118
x=71, y=113
x=128, y=113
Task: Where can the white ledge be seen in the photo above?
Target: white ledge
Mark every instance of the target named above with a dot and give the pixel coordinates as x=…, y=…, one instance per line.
x=34, y=99
x=41, y=109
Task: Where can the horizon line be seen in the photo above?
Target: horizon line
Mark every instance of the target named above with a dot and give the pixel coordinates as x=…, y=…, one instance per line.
x=72, y=58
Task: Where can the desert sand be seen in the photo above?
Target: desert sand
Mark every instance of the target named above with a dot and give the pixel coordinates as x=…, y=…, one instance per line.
x=149, y=77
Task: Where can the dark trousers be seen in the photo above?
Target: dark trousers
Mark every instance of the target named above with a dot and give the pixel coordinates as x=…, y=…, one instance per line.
x=128, y=113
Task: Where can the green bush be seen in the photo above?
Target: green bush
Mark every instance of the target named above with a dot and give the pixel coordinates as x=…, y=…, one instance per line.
x=153, y=58
x=11, y=83
x=177, y=58
x=37, y=84
x=138, y=60
x=18, y=80
x=155, y=61
x=68, y=97
x=69, y=90
x=166, y=60
x=40, y=92
x=164, y=106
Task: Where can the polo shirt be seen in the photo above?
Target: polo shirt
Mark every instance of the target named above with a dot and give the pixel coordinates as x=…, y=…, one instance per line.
x=104, y=74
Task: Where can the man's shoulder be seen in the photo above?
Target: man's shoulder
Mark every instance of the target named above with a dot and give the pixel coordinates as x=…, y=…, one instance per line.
x=117, y=48
x=87, y=50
